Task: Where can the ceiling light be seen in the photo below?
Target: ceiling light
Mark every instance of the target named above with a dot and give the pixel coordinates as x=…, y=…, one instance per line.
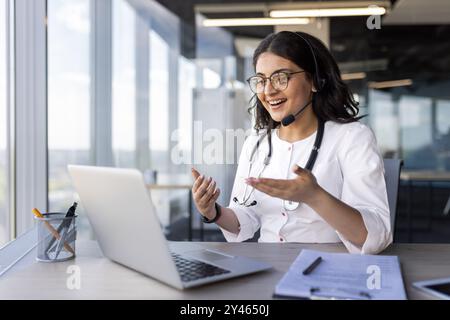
x=237, y=22
x=329, y=12
x=353, y=76
x=390, y=84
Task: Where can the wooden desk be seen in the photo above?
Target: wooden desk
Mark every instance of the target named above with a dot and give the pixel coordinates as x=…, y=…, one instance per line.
x=103, y=279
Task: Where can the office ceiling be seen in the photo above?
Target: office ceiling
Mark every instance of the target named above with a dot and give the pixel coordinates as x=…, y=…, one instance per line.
x=400, y=49
x=419, y=12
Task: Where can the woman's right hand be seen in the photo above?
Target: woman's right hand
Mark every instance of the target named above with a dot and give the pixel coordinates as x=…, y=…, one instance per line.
x=205, y=194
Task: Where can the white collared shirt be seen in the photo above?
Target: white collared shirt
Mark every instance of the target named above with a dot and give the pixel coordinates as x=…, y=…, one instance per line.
x=349, y=166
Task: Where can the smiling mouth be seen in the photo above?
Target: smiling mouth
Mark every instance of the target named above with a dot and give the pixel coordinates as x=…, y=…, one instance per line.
x=276, y=104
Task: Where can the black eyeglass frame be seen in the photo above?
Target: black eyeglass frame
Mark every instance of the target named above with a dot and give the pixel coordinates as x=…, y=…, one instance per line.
x=287, y=73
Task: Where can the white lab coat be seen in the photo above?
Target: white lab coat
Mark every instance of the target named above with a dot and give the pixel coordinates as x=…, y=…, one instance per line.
x=349, y=167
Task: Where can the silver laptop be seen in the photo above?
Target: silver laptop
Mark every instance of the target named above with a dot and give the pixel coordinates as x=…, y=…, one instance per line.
x=125, y=223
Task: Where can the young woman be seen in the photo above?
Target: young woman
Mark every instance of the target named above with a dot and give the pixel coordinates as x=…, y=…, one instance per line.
x=313, y=173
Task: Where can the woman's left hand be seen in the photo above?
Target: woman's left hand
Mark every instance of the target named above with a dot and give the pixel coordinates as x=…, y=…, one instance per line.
x=303, y=188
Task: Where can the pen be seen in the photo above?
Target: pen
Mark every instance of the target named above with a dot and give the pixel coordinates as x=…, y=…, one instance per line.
x=52, y=230
x=66, y=227
x=312, y=266
x=70, y=213
x=61, y=242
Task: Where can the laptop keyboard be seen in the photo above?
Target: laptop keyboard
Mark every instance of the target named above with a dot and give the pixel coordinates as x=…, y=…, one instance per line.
x=191, y=270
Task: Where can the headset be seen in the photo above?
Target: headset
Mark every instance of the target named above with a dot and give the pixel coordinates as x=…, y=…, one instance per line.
x=319, y=83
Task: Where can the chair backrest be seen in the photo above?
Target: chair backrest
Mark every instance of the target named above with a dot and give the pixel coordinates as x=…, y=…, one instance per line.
x=392, y=168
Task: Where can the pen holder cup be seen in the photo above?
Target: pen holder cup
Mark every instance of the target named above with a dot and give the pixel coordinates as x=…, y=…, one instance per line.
x=56, y=237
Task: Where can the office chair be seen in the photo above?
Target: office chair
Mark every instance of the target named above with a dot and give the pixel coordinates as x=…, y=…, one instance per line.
x=392, y=168
x=447, y=207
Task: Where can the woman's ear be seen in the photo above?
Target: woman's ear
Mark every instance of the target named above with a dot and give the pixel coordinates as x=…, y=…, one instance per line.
x=313, y=87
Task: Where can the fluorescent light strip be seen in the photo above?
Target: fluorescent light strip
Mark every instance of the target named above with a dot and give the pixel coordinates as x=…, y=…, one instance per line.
x=238, y=22
x=353, y=76
x=390, y=84
x=336, y=12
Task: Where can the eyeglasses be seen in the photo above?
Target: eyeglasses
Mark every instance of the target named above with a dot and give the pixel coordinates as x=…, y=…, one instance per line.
x=278, y=80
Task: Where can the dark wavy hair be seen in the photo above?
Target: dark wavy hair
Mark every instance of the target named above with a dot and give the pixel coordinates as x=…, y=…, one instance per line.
x=333, y=102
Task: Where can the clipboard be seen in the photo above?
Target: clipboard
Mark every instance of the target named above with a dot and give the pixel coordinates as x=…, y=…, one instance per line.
x=343, y=276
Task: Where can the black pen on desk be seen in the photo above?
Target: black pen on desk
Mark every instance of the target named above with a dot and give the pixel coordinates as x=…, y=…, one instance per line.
x=312, y=266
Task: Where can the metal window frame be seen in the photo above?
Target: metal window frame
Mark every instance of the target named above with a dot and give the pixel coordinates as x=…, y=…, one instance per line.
x=30, y=123
x=101, y=82
x=174, y=53
x=10, y=119
x=142, y=105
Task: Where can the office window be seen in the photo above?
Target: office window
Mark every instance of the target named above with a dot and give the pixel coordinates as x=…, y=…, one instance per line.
x=69, y=110
x=124, y=85
x=416, y=132
x=4, y=185
x=159, y=101
x=186, y=86
x=384, y=121
x=211, y=79
x=443, y=134
x=443, y=117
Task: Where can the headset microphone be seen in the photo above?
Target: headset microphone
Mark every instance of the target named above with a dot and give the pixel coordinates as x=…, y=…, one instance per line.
x=291, y=118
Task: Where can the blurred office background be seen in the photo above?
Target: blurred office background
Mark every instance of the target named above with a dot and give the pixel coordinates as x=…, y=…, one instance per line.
x=139, y=83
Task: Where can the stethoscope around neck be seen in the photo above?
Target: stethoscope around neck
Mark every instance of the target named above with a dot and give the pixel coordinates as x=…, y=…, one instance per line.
x=287, y=204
